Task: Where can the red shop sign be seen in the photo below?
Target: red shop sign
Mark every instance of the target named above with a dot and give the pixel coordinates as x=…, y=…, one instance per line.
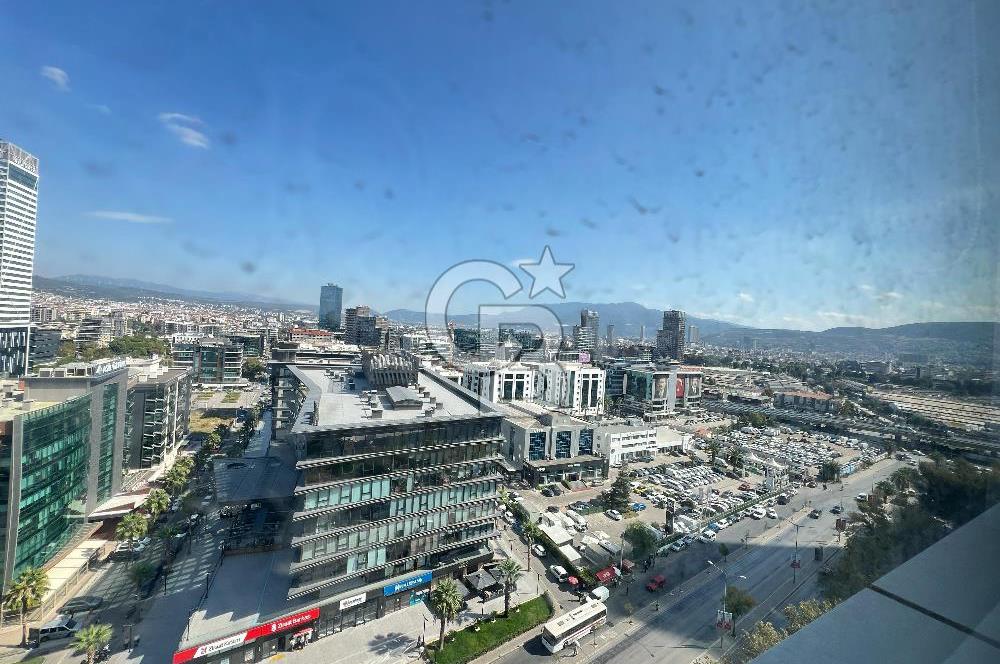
x=252, y=634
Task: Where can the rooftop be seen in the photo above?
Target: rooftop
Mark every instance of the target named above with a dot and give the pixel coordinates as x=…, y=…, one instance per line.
x=332, y=402
x=13, y=408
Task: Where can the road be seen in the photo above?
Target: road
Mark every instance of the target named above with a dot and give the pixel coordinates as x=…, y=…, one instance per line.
x=684, y=626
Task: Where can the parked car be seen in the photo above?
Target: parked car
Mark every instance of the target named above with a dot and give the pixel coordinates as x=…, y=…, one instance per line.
x=656, y=583
x=558, y=573
x=538, y=550
x=707, y=535
x=836, y=509
x=600, y=593
x=547, y=493
x=638, y=507
x=771, y=514
x=552, y=508
x=614, y=515
x=678, y=545
x=60, y=627
x=81, y=603
x=815, y=514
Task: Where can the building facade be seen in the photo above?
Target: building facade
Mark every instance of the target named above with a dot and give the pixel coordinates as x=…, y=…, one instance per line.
x=212, y=361
x=158, y=411
x=542, y=446
x=498, y=382
x=44, y=345
x=572, y=386
x=671, y=338
x=18, y=214
x=331, y=304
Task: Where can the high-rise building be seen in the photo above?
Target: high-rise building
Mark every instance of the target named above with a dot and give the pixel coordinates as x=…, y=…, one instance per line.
x=212, y=361
x=18, y=211
x=693, y=334
x=586, y=334
x=351, y=316
x=331, y=303
x=158, y=412
x=611, y=335
x=670, y=339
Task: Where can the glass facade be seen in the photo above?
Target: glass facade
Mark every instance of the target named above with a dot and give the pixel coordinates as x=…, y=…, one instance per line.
x=536, y=445
x=586, y=441
x=106, y=449
x=564, y=442
x=53, y=486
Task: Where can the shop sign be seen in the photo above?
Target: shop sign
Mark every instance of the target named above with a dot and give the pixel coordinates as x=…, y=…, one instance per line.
x=352, y=601
x=407, y=584
x=273, y=627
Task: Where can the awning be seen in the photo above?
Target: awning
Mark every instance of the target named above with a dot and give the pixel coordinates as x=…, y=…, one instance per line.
x=303, y=632
x=571, y=554
x=606, y=575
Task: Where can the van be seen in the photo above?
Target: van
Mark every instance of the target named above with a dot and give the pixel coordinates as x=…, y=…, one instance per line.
x=600, y=593
x=60, y=627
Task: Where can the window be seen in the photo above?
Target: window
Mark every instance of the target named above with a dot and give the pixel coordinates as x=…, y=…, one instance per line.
x=536, y=445
x=563, y=444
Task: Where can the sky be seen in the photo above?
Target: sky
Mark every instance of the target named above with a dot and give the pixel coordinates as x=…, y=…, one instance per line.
x=777, y=166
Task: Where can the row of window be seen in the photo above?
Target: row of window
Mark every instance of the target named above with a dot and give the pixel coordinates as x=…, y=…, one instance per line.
x=399, y=437
x=395, y=530
x=404, y=505
x=399, y=462
x=356, y=492
x=383, y=556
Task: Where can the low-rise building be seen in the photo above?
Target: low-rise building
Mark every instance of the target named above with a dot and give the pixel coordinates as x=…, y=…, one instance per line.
x=543, y=446
x=499, y=382
x=211, y=360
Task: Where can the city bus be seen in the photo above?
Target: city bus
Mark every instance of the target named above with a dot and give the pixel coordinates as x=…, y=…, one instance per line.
x=573, y=626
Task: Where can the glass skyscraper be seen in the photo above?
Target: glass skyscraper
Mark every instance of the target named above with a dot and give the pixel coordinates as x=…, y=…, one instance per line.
x=331, y=304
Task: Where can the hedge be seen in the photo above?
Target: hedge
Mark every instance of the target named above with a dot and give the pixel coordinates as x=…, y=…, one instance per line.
x=466, y=645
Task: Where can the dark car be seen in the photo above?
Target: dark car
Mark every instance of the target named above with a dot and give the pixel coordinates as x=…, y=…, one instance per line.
x=836, y=509
x=82, y=603
x=547, y=493
x=815, y=514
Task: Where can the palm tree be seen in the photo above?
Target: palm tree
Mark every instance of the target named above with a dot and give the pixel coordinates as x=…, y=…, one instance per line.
x=830, y=471
x=132, y=526
x=713, y=448
x=735, y=457
x=141, y=573
x=27, y=592
x=508, y=572
x=447, y=601
x=157, y=503
x=885, y=489
x=92, y=638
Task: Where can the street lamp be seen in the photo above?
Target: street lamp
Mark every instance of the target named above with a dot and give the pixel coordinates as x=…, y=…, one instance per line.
x=725, y=587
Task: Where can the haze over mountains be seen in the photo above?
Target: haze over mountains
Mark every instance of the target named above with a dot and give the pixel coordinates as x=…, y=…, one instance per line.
x=972, y=342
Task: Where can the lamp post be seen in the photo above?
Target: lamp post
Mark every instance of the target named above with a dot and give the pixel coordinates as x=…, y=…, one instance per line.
x=725, y=587
x=795, y=560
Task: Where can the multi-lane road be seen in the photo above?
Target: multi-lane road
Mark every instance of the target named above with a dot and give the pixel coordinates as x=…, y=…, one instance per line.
x=684, y=625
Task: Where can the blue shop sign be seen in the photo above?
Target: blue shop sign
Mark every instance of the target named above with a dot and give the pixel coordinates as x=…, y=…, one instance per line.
x=407, y=584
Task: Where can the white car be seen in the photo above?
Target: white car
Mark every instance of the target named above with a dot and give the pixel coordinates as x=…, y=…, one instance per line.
x=614, y=515
x=707, y=536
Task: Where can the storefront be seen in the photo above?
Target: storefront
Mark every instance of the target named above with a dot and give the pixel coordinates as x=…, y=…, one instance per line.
x=255, y=644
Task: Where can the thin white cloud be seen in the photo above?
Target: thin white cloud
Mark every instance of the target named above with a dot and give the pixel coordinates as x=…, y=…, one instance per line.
x=868, y=288
x=842, y=318
x=185, y=127
x=100, y=108
x=58, y=76
x=129, y=217
x=745, y=297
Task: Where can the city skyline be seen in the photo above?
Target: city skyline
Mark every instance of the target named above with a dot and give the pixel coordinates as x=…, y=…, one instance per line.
x=818, y=211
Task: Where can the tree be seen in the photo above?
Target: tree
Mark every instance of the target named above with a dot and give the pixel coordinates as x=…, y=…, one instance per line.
x=253, y=368
x=447, y=601
x=131, y=527
x=26, y=592
x=212, y=442
x=829, y=471
x=724, y=550
x=618, y=495
x=885, y=489
x=177, y=477
x=801, y=614
x=157, y=502
x=139, y=346
x=713, y=448
x=738, y=601
x=642, y=538
x=140, y=573
x=848, y=409
x=735, y=457
x=508, y=572
x=904, y=478
x=92, y=638
x=761, y=638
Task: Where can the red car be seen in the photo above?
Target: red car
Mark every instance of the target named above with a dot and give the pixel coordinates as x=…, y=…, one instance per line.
x=656, y=583
x=745, y=487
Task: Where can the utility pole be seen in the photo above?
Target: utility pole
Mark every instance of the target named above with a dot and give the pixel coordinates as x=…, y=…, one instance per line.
x=527, y=567
x=795, y=560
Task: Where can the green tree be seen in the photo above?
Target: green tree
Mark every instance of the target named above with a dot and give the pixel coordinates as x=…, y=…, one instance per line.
x=905, y=478
x=253, y=369
x=212, y=442
x=157, y=502
x=132, y=526
x=830, y=471
x=713, y=448
x=642, y=538
x=885, y=490
x=761, y=638
x=140, y=573
x=92, y=638
x=801, y=614
x=724, y=550
x=848, y=409
x=26, y=592
x=508, y=572
x=738, y=601
x=617, y=497
x=447, y=601
x=139, y=346
x=735, y=457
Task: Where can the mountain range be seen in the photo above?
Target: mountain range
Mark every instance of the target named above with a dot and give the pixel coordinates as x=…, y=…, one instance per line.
x=962, y=342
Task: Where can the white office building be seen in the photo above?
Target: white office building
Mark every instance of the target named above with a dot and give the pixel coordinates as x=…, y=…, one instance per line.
x=634, y=441
x=500, y=382
x=573, y=387
x=18, y=212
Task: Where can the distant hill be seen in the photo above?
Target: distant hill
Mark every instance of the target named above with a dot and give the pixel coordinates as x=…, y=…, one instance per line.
x=965, y=343
x=82, y=285
x=627, y=317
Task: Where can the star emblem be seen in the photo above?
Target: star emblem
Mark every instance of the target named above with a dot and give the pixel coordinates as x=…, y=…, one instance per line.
x=547, y=274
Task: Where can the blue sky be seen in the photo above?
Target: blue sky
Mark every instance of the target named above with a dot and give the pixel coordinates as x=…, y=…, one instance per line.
x=808, y=168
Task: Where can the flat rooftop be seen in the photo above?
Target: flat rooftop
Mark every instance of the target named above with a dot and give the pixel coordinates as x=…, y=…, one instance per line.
x=11, y=410
x=331, y=401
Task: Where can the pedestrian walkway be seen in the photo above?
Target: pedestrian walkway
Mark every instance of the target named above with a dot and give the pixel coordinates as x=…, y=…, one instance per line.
x=396, y=638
